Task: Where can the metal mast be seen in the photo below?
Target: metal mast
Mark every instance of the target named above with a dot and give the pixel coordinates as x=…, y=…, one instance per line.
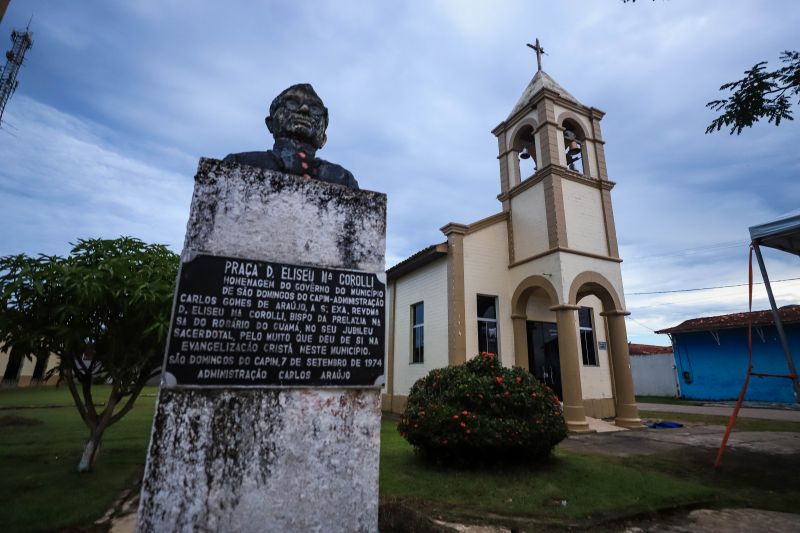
x=22, y=41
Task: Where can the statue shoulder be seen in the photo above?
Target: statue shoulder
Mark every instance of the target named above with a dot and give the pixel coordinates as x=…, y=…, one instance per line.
x=333, y=173
x=265, y=160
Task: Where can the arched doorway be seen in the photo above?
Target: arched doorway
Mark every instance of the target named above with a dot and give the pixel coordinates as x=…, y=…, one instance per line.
x=567, y=356
x=592, y=283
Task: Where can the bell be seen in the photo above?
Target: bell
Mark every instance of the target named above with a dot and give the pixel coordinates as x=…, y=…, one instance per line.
x=574, y=148
x=524, y=154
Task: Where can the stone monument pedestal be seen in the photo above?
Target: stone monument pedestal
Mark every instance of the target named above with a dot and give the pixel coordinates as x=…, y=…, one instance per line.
x=247, y=457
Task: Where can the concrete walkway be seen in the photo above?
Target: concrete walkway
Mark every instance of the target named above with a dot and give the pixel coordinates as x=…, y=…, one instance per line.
x=788, y=415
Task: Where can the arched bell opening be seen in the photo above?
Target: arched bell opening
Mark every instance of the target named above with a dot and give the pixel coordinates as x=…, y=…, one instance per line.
x=574, y=146
x=525, y=147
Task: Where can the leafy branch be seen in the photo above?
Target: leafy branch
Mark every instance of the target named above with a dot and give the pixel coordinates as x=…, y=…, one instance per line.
x=760, y=94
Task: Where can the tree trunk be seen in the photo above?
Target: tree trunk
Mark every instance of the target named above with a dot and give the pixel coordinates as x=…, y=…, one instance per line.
x=90, y=450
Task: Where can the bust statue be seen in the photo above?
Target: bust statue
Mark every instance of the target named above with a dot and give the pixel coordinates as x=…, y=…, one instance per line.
x=297, y=119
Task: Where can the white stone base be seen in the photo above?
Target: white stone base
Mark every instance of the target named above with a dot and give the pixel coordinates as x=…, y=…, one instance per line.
x=270, y=459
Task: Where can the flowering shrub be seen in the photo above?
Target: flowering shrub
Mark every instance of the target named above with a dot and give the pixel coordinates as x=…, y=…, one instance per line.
x=482, y=412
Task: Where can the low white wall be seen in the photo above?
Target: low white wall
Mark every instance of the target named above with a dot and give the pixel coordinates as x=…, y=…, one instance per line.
x=654, y=375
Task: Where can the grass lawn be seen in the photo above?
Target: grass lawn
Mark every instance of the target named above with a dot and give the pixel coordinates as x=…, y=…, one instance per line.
x=40, y=445
x=41, y=439
x=592, y=486
x=669, y=400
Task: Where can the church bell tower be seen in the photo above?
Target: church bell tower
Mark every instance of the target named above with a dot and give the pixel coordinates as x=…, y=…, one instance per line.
x=562, y=247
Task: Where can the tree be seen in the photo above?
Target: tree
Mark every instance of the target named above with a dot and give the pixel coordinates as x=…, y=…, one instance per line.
x=760, y=94
x=103, y=310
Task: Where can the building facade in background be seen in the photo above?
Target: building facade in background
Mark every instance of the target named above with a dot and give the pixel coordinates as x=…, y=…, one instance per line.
x=538, y=283
x=711, y=355
x=24, y=372
x=654, y=370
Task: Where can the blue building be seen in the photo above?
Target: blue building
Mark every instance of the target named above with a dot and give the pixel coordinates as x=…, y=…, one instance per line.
x=711, y=355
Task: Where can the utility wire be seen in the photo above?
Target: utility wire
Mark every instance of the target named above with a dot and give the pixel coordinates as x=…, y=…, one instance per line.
x=643, y=325
x=697, y=249
x=709, y=288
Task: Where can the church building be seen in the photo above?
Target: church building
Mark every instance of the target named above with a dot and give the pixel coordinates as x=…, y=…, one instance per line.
x=538, y=283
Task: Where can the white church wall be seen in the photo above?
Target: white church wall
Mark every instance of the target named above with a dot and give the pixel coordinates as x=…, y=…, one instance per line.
x=485, y=272
x=512, y=161
x=530, y=222
x=428, y=284
x=596, y=380
x=539, y=309
x=547, y=266
x=584, y=214
x=591, y=159
x=573, y=264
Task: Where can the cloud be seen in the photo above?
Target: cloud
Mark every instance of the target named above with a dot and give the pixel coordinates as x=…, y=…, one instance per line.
x=118, y=100
x=61, y=182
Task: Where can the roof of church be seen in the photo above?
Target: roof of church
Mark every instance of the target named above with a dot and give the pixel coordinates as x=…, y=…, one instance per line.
x=422, y=257
x=541, y=80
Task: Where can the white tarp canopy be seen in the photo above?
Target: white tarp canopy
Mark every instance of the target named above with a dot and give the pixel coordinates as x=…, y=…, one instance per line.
x=782, y=233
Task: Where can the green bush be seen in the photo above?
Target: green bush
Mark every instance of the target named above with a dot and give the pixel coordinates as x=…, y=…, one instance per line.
x=482, y=412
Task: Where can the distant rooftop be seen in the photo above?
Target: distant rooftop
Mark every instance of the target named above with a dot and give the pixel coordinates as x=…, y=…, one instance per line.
x=789, y=314
x=647, y=349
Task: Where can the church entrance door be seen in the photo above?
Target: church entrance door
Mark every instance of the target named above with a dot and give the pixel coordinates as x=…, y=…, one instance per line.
x=543, y=359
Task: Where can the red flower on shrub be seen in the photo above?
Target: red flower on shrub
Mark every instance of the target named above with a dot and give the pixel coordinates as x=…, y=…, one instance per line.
x=519, y=429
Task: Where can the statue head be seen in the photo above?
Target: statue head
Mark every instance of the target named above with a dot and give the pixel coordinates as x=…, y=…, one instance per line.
x=298, y=113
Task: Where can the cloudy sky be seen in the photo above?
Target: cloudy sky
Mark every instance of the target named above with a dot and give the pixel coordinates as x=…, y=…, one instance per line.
x=118, y=100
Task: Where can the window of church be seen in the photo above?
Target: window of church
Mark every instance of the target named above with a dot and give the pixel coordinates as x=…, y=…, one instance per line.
x=417, y=333
x=588, y=348
x=487, y=324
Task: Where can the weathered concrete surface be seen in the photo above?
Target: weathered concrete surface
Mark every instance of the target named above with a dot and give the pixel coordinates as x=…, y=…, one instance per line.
x=262, y=214
x=262, y=460
x=727, y=520
x=660, y=441
x=267, y=459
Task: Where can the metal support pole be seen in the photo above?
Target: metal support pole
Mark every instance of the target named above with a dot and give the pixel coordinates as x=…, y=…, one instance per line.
x=778, y=324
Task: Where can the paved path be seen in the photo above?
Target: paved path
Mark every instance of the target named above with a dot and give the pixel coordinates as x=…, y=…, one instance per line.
x=789, y=415
x=659, y=441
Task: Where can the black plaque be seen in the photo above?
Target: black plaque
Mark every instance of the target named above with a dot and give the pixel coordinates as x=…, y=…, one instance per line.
x=245, y=323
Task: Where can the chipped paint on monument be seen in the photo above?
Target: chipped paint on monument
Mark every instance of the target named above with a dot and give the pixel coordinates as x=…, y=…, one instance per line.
x=236, y=452
x=268, y=459
x=331, y=225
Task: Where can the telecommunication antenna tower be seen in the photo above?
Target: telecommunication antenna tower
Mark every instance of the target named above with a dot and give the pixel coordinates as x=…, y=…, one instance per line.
x=22, y=41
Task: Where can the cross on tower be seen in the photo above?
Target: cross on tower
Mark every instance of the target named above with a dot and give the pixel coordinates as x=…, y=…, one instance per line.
x=539, y=51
